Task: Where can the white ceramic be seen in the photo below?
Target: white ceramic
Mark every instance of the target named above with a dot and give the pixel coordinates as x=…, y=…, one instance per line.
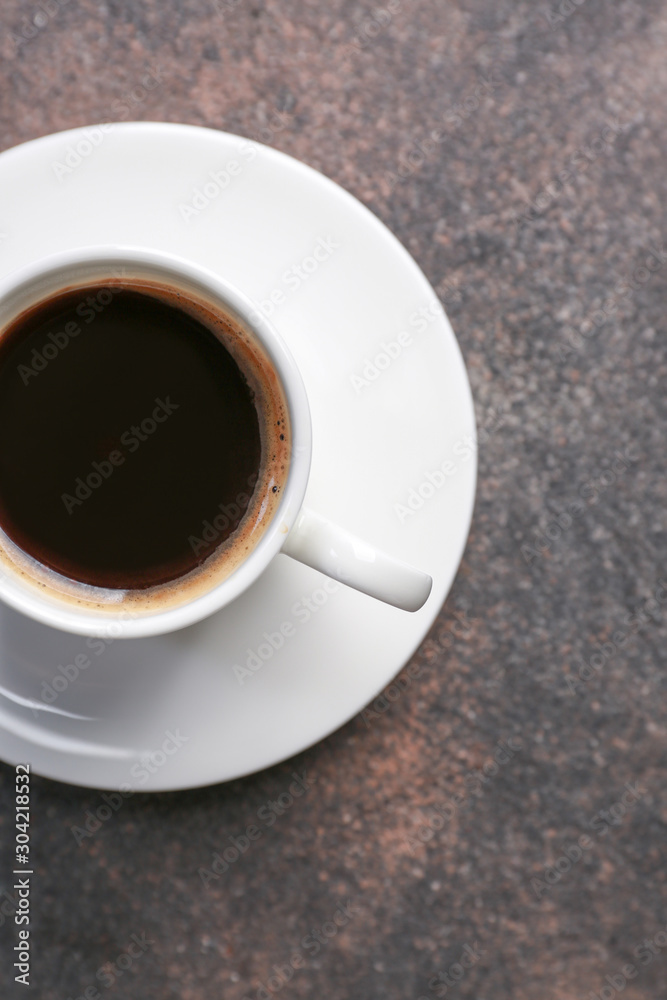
x=301, y=533
x=295, y=655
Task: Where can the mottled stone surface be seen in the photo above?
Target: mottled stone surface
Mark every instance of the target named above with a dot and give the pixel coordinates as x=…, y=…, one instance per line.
x=362, y=99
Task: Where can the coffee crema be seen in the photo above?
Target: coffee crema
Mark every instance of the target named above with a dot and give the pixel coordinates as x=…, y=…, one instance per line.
x=144, y=444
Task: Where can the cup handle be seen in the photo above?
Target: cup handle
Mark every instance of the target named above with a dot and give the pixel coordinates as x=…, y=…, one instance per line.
x=324, y=546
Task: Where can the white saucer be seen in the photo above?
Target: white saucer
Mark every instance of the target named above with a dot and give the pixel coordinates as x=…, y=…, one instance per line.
x=374, y=443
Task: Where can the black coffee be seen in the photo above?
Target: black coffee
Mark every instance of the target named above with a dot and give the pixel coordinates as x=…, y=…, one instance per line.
x=130, y=438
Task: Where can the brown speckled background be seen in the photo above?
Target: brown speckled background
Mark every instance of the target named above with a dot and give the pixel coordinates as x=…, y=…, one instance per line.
x=360, y=92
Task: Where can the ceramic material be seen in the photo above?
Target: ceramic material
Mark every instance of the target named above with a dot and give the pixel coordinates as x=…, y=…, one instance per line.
x=303, y=534
x=393, y=463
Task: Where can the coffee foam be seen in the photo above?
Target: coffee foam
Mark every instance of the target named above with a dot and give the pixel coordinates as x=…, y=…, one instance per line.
x=266, y=496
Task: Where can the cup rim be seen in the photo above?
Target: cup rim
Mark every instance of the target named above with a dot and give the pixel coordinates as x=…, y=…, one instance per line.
x=85, y=622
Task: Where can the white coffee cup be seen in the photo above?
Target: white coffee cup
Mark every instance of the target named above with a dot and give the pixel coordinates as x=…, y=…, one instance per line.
x=294, y=529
